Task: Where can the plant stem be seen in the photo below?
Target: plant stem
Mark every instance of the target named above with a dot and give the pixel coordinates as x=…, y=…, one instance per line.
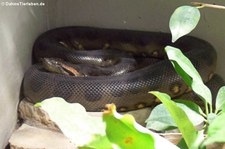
x=206, y=108
x=203, y=114
x=202, y=5
x=210, y=109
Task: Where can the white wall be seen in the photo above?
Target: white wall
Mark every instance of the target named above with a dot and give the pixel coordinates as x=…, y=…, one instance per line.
x=19, y=26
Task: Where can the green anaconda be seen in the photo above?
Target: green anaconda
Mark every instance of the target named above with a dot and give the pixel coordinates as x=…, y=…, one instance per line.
x=131, y=64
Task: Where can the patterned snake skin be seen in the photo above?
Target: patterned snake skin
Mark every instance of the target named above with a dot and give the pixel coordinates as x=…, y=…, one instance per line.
x=128, y=90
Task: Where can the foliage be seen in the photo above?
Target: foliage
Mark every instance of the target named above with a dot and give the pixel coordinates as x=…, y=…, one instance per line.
x=185, y=126
x=216, y=130
x=123, y=132
x=214, y=119
x=160, y=118
x=186, y=70
x=183, y=21
x=111, y=131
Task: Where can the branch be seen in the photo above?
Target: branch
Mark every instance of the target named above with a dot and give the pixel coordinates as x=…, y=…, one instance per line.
x=201, y=5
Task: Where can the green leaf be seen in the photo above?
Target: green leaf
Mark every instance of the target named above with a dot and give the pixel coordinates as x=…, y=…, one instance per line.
x=220, y=99
x=123, y=131
x=216, y=130
x=189, y=133
x=73, y=120
x=190, y=104
x=160, y=118
x=183, y=21
x=187, y=71
x=99, y=142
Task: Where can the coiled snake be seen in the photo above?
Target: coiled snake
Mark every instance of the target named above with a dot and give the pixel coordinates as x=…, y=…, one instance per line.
x=128, y=86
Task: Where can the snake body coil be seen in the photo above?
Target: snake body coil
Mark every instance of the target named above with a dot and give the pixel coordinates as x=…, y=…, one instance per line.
x=128, y=90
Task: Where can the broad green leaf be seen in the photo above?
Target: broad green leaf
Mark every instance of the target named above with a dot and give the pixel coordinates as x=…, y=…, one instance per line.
x=220, y=99
x=190, y=104
x=160, y=118
x=187, y=71
x=216, y=130
x=183, y=20
x=189, y=133
x=123, y=131
x=99, y=142
x=73, y=120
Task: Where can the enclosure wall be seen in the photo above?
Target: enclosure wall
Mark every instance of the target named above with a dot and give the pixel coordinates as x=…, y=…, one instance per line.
x=20, y=25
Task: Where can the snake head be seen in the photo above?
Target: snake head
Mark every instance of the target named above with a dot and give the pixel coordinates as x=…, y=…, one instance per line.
x=53, y=65
x=58, y=66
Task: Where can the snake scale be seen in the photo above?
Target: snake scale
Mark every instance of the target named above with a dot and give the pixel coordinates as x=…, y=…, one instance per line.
x=128, y=90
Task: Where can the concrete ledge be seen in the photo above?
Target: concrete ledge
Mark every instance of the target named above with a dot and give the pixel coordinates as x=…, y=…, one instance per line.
x=35, y=116
x=29, y=137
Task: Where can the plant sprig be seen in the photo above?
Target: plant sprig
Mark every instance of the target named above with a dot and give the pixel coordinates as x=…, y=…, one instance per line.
x=202, y=5
x=183, y=21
